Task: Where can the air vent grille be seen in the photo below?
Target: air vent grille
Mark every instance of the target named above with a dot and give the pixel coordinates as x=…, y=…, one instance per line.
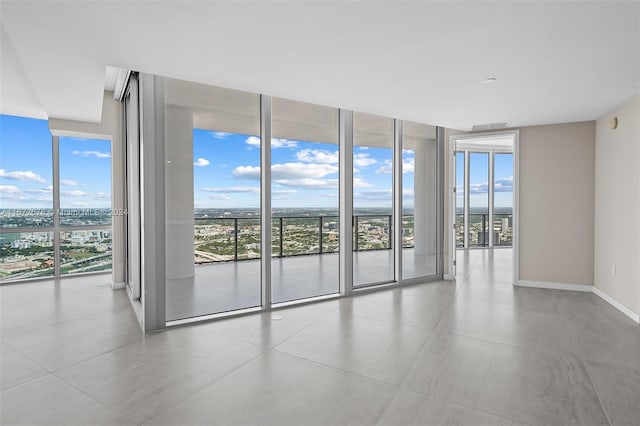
x=488, y=126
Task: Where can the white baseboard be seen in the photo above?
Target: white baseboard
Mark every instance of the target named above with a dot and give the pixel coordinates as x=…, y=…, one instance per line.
x=448, y=277
x=118, y=286
x=613, y=302
x=587, y=289
x=555, y=286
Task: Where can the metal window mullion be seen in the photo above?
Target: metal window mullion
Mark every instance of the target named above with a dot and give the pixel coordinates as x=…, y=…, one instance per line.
x=491, y=198
x=55, y=158
x=346, y=201
x=265, y=199
x=440, y=201
x=397, y=199
x=466, y=198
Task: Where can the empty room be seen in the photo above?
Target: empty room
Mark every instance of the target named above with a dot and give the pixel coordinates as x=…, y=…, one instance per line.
x=319, y=213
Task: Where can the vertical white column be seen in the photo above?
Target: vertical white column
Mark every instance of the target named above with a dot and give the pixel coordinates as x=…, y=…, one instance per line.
x=153, y=244
x=424, y=176
x=346, y=202
x=179, y=193
x=118, y=202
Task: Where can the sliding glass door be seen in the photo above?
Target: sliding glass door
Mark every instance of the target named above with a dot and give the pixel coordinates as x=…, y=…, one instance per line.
x=373, y=221
x=304, y=200
x=212, y=193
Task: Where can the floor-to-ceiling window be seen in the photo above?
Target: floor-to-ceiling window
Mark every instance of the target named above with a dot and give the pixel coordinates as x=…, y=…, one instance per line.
x=253, y=186
x=26, y=199
x=460, y=198
x=419, y=164
x=373, y=257
x=304, y=200
x=478, y=199
x=85, y=205
x=503, y=199
x=55, y=202
x=212, y=197
x=484, y=191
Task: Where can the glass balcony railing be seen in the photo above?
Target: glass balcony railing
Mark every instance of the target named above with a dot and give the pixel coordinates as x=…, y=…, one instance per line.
x=479, y=230
x=231, y=239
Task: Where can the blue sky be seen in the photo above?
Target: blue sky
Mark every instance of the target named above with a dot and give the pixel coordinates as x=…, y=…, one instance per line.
x=226, y=171
x=479, y=178
x=304, y=174
x=26, y=170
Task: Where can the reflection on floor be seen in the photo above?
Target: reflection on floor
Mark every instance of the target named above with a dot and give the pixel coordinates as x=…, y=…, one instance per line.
x=472, y=352
x=236, y=285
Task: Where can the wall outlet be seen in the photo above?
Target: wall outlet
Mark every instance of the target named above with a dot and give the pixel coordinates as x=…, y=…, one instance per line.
x=613, y=270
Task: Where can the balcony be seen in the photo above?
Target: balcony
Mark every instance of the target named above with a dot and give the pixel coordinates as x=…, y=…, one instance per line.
x=305, y=261
x=479, y=230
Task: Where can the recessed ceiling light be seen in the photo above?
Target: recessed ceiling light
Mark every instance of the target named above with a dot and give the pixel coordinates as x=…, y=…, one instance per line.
x=490, y=80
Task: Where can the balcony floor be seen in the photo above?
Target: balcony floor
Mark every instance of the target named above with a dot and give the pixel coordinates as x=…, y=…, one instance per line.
x=236, y=285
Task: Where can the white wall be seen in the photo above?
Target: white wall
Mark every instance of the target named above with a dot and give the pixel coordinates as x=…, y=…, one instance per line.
x=617, y=205
x=556, y=203
x=109, y=127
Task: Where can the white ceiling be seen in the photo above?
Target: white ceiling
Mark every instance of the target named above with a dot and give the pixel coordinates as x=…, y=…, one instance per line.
x=420, y=61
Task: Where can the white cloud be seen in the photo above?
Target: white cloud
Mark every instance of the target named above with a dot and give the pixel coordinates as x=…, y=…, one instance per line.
x=276, y=143
x=375, y=194
x=359, y=182
x=383, y=194
x=22, y=175
x=69, y=182
x=74, y=193
x=501, y=185
x=285, y=191
x=408, y=166
x=101, y=195
x=219, y=197
x=318, y=156
x=253, y=141
x=283, y=143
x=309, y=183
x=288, y=171
x=96, y=154
x=234, y=190
x=363, y=160
x=45, y=190
x=220, y=135
x=201, y=162
x=9, y=189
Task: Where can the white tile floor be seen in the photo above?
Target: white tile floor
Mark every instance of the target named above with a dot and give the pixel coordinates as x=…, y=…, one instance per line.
x=473, y=352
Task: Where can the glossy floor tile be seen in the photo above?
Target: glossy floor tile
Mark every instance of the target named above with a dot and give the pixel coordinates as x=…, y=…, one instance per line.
x=476, y=351
x=281, y=390
x=161, y=369
x=379, y=350
x=16, y=368
x=414, y=409
x=50, y=401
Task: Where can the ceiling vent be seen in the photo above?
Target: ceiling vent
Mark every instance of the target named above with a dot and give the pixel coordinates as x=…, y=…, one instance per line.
x=488, y=126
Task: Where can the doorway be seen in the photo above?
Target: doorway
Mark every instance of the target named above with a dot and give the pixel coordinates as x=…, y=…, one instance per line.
x=483, y=195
